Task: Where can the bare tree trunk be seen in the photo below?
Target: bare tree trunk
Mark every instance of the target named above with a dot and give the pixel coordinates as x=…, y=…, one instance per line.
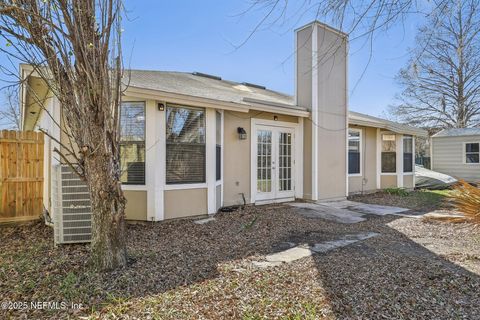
x=108, y=206
x=75, y=47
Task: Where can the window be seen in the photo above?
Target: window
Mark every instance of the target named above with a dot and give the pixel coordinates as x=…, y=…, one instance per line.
x=218, y=143
x=472, y=153
x=132, y=142
x=407, y=154
x=389, y=154
x=185, y=145
x=354, y=151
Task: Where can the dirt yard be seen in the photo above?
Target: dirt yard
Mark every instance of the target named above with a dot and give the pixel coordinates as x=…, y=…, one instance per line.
x=180, y=270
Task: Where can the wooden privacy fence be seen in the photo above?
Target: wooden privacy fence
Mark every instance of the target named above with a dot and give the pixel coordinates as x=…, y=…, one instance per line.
x=21, y=175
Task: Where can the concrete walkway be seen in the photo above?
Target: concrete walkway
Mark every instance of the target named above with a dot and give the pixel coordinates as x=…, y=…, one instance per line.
x=344, y=211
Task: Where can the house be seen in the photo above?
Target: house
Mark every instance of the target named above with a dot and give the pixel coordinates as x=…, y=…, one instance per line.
x=456, y=152
x=192, y=142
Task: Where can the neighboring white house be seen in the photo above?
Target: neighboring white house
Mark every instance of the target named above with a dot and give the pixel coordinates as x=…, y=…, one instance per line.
x=192, y=143
x=456, y=152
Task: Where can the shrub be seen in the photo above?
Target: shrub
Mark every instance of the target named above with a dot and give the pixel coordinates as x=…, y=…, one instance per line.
x=466, y=200
x=397, y=191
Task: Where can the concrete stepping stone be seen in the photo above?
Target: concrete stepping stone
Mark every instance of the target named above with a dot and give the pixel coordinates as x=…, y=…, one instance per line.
x=326, y=246
x=204, y=221
x=302, y=251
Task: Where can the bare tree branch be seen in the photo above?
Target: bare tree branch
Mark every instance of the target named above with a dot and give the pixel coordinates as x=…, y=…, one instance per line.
x=441, y=83
x=74, y=47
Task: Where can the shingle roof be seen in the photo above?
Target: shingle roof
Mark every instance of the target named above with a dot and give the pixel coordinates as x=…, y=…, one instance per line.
x=366, y=120
x=196, y=85
x=458, y=132
x=203, y=87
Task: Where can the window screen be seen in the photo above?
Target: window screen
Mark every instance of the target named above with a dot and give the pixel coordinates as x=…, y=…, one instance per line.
x=185, y=149
x=472, y=153
x=132, y=142
x=407, y=154
x=389, y=155
x=354, y=152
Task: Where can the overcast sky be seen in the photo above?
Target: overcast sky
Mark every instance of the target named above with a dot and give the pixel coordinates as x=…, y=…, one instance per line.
x=201, y=36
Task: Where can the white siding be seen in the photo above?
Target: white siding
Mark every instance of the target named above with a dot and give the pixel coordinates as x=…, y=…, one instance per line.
x=448, y=157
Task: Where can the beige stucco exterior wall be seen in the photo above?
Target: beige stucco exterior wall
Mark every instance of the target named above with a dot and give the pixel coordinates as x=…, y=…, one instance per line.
x=136, y=208
x=185, y=203
x=304, y=67
x=332, y=110
x=236, y=170
x=307, y=159
x=408, y=181
x=367, y=181
x=388, y=181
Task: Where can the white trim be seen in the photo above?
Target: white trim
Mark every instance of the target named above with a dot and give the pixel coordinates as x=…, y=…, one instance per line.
x=431, y=153
x=210, y=145
x=413, y=154
x=134, y=187
x=325, y=26
x=186, y=186
x=222, y=148
x=399, y=159
x=185, y=100
x=161, y=160
x=464, y=153
x=360, y=131
x=280, y=200
x=386, y=126
x=253, y=165
x=379, y=159
x=314, y=114
x=277, y=107
x=295, y=62
x=297, y=152
x=347, y=116
x=201, y=102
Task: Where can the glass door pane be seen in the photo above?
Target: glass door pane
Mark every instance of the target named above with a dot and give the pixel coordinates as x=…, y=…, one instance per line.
x=285, y=161
x=264, y=161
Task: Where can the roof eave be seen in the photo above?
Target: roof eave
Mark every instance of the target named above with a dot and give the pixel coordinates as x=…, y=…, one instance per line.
x=388, y=126
x=249, y=104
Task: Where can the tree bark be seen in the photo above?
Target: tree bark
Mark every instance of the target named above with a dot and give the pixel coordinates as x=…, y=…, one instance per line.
x=108, y=211
x=75, y=47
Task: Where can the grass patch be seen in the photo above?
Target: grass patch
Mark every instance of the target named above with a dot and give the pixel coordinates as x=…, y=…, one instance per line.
x=402, y=192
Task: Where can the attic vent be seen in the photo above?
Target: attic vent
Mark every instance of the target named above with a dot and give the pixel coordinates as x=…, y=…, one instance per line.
x=248, y=84
x=206, y=75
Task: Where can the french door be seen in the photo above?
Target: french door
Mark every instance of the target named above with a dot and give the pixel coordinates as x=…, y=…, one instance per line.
x=274, y=163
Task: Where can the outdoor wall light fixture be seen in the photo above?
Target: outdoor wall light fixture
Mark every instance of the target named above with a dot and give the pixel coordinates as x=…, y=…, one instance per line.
x=275, y=118
x=242, y=134
x=161, y=107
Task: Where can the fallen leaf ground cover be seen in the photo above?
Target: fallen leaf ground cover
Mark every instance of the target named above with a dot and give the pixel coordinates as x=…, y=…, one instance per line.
x=414, y=269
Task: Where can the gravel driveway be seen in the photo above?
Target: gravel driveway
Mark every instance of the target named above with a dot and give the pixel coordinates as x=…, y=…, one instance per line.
x=181, y=270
